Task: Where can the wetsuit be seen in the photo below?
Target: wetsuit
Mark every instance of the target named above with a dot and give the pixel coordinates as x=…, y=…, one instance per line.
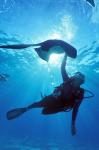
x=62, y=98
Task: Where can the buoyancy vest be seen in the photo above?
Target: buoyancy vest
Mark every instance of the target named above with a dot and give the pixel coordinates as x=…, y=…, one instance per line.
x=68, y=95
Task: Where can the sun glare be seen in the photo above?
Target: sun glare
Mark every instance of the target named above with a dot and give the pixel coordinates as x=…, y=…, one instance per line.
x=55, y=36
x=70, y=36
x=55, y=59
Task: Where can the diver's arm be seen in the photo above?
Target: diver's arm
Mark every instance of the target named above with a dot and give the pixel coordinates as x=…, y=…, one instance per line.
x=63, y=71
x=74, y=116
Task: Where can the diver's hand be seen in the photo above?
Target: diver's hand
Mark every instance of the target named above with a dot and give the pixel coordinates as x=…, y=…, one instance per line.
x=73, y=130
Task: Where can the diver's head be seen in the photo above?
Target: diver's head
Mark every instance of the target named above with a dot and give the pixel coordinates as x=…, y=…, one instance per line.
x=78, y=79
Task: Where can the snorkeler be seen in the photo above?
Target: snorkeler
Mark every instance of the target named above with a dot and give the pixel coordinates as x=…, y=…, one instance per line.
x=4, y=77
x=67, y=96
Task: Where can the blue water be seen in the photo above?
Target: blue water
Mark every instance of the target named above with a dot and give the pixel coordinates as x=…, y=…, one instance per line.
x=28, y=21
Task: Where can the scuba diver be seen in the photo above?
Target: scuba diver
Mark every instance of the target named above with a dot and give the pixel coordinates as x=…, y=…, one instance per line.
x=67, y=96
x=4, y=77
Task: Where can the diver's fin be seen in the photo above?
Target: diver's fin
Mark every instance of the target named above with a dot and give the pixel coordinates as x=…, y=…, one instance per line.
x=18, y=46
x=42, y=54
x=15, y=113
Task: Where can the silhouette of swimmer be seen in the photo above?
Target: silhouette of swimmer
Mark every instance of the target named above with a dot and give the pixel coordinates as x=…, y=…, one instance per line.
x=47, y=47
x=67, y=96
x=4, y=77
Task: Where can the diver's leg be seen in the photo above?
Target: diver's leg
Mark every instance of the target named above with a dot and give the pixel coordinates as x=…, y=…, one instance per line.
x=43, y=103
x=35, y=105
x=51, y=110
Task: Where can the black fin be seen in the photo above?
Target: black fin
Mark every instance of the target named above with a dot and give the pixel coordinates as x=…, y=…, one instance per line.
x=15, y=113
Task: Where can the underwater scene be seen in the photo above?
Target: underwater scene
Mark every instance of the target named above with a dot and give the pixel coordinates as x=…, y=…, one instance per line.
x=48, y=47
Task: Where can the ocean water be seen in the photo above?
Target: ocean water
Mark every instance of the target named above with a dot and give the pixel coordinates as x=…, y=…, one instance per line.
x=33, y=21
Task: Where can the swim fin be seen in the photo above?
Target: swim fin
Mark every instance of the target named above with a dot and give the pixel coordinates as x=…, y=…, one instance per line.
x=14, y=113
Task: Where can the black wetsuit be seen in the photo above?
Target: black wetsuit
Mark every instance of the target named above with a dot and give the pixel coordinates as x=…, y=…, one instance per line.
x=63, y=97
